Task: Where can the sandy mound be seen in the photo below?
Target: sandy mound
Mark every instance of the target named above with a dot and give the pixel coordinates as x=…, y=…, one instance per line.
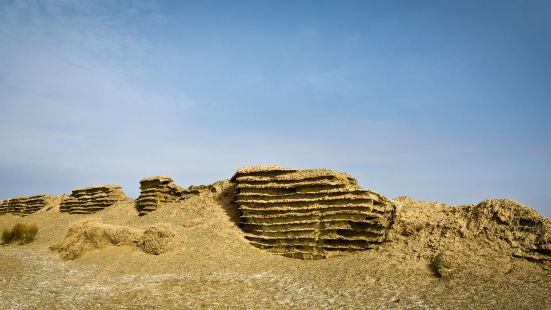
x=158, y=239
x=483, y=234
x=84, y=236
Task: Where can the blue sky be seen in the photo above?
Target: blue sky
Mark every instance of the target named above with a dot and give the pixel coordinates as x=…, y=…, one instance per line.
x=439, y=100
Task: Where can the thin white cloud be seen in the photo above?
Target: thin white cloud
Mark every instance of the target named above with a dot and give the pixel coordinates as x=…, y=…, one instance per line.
x=75, y=93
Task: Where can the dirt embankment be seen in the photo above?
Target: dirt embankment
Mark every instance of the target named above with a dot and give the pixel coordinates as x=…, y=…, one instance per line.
x=454, y=237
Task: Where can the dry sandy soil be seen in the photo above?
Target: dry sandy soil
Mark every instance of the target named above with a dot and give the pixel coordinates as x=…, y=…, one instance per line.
x=431, y=260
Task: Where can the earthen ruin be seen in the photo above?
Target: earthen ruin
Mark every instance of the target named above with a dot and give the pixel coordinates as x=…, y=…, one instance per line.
x=309, y=214
x=158, y=190
x=313, y=214
x=92, y=199
x=23, y=205
x=527, y=231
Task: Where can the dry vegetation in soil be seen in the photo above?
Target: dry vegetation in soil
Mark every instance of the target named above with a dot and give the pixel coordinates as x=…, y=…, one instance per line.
x=20, y=233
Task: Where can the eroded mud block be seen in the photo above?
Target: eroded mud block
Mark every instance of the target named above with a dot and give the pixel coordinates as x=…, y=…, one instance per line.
x=309, y=214
x=158, y=190
x=23, y=205
x=92, y=199
x=522, y=227
x=3, y=207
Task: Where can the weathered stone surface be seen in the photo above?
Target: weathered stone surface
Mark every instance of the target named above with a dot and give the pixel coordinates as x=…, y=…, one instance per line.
x=309, y=214
x=92, y=199
x=23, y=205
x=524, y=228
x=158, y=190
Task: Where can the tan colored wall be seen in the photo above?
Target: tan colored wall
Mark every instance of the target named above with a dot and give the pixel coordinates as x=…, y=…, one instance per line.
x=23, y=205
x=158, y=190
x=309, y=214
x=92, y=199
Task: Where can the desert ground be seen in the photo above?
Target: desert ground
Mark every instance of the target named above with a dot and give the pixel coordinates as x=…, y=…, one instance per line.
x=434, y=257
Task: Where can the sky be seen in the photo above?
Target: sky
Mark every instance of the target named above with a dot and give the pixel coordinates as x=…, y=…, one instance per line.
x=444, y=101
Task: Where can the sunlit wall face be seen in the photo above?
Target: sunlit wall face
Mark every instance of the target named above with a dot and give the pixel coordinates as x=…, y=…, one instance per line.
x=438, y=100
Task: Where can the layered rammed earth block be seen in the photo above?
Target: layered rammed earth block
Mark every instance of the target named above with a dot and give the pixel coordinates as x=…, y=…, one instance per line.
x=92, y=199
x=158, y=190
x=23, y=205
x=309, y=214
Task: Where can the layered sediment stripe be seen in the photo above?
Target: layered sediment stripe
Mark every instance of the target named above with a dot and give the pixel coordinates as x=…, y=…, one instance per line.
x=155, y=191
x=158, y=190
x=262, y=171
x=266, y=172
x=35, y=203
x=307, y=198
x=337, y=192
x=374, y=226
x=316, y=234
x=329, y=184
x=318, y=249
x=299, y=222
x=311, y=189
x=314, y=205
x=244, y=181
x=283, y=211
x=23, y=205
x=321, y=242
x=92, y=199
x=3, y=207
x=319, y=215
x=304, y=213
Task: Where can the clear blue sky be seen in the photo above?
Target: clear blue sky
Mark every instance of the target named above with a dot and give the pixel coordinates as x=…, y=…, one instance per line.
x=438, y=100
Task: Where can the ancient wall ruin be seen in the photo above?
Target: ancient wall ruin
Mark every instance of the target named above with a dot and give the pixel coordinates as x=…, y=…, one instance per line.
x=3, y=207
x=158, y=190
x=309, y=214
x=92, y=199
x=527, y=231
x=23, y=205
